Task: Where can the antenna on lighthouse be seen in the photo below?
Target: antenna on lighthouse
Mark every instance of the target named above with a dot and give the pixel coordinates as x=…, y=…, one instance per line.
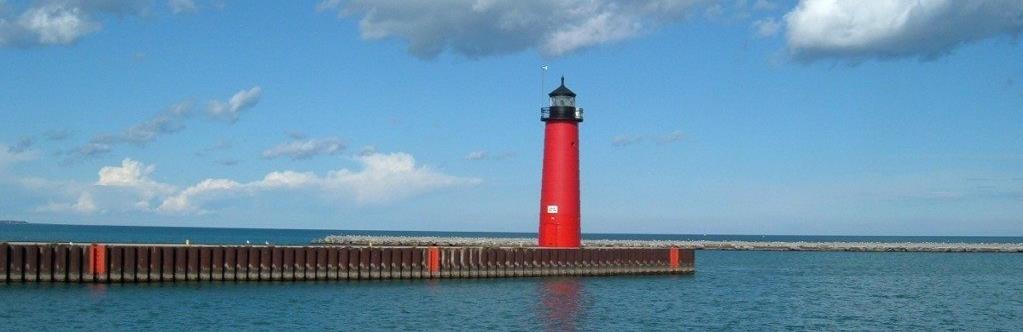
x=543, y=76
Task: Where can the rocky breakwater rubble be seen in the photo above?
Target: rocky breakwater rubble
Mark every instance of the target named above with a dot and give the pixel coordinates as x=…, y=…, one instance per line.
x=706, y=245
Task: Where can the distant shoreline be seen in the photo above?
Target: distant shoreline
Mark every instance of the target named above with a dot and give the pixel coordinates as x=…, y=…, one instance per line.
x=704, y=245
x=13, y=222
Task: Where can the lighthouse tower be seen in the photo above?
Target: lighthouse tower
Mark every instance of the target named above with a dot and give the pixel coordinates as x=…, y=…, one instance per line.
x=559, y=191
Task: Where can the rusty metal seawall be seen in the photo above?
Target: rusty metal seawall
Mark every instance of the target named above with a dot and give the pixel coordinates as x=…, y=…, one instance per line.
x=36, y=262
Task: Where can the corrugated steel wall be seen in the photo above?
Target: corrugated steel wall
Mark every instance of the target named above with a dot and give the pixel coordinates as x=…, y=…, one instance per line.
x=164, y=263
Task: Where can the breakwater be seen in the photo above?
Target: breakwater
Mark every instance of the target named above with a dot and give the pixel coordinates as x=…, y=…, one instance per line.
x=51, y=262
x=703, y=245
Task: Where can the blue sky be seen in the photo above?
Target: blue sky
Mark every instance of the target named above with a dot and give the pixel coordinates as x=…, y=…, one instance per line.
x=750, y=117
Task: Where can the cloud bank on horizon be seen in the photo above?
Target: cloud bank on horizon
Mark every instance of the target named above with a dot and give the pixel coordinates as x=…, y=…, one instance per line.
x=383, y=178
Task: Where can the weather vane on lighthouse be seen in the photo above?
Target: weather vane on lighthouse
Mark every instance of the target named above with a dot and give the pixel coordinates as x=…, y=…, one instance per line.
x=559, y=188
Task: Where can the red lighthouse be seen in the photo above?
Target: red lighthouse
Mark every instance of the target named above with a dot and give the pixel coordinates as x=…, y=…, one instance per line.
x=559, y=191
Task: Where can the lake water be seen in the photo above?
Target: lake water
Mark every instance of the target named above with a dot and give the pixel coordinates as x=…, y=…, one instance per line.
x=730, y=291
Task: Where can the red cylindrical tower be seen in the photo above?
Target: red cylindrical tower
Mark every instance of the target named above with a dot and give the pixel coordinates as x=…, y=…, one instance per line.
x=559, y=189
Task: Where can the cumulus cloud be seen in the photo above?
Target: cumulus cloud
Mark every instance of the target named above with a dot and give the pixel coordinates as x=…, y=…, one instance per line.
x=239, y=102
x=186, y=201
x=477, y=28
x=390, y=177
x=84, y=205
x=131, y=173
x=383, y=178
x=182, y=6
x=857, y=30
x=61, y=22
x=135, y=177
x=305, y=148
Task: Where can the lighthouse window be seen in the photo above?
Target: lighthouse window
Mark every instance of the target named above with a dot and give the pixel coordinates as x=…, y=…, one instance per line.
x=562, y=101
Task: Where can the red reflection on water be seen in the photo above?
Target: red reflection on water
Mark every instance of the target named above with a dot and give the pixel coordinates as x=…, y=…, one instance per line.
x=561, y=303
x=98, y=290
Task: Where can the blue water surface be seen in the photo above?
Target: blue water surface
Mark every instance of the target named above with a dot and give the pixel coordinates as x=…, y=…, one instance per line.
x=732, y=290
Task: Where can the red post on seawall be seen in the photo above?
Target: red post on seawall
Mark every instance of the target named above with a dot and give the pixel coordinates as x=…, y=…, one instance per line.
x=98, y=262
x=673, y=258
x=559, y=191
x=433, y=261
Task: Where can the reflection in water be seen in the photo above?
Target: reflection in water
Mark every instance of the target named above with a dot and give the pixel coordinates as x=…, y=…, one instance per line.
x=560, y=303
x=98, y=291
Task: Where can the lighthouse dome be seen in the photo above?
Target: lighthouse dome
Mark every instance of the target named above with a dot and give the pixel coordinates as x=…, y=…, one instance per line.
x=562, y=90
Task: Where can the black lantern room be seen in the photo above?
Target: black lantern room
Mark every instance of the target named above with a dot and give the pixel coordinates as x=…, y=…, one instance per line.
x=562, y=105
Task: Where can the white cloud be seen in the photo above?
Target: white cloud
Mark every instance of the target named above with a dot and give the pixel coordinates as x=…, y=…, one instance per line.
x=486, y=155
x=477, y=28
x=134, y=176
x=84, y=205
x=477, y=155
x=239, y=102
x=390, y=177
x=765, y=28
x=861, y=29
x=306, y=148
x=182, y=6
x=57, y=24
x=61, y=22
x=287, y=179
x=131, y=173
x=130, y=187
x=383, y=178
x=186, y=201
